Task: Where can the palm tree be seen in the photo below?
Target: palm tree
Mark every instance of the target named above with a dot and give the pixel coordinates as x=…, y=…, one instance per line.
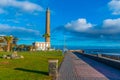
x=0, y=47
x=15, y=39
x=21, y=47
x=46, y=35
x=13, y=47
x=8, y=40
x=14, y=43
x=30, y=48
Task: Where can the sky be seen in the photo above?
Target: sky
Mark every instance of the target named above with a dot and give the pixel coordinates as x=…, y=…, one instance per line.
x=73, y=22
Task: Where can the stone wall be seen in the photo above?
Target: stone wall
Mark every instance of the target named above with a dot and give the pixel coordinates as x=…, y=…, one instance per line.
x=107, y=61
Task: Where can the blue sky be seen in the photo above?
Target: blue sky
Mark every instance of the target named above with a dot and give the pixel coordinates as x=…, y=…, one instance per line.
x=81, y=22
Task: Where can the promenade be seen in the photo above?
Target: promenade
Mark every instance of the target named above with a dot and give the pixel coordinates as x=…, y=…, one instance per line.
x=78, y=67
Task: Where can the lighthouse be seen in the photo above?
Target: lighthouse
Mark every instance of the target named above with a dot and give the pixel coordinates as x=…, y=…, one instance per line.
x=45, y=45
x=47, y=30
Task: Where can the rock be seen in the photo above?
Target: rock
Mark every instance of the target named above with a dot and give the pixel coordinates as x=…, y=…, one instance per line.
x=8, y=57
x=21, y=56
x=13, y=56
x=4, y=56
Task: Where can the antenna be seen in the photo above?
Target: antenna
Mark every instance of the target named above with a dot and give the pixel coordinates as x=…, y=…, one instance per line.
x=65, y=48
x=64, y=42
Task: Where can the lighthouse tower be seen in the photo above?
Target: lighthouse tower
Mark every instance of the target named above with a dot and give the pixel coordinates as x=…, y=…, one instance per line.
x=47, y=30
x=45, y=45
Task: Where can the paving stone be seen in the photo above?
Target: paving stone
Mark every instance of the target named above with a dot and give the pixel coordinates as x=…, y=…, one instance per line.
x=78, y=67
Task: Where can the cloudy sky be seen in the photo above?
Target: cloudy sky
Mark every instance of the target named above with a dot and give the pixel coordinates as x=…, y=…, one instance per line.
x=79, y=22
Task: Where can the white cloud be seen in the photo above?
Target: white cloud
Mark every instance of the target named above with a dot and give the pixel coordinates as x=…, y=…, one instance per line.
x=108, y=30
x=12, y=20
x=114, y=5
x=19, y=31
x=79, y=25
x=111, y=26
x=112, y=23
x=24, y=5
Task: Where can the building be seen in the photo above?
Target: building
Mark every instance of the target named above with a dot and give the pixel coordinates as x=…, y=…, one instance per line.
x=2, y=41
x=41, y=46
x=45, y=45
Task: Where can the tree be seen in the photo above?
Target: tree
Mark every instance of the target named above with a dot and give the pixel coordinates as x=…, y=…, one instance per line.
x=1, y=40
x=15, y=39
x=13, y=47
x=30, y=48
x=8, y=40
x=21, y=47
x=14, y=43
x=1, y=49
x=46, y=35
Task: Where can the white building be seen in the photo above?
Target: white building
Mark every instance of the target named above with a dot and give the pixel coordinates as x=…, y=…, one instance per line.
x=41, y=45
x=2, y=41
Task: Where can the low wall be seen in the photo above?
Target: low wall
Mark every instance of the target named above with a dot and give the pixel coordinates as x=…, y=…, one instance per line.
x=115, y=57
x=110, y=62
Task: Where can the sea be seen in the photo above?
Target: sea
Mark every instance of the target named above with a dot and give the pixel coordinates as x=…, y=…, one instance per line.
x=110, y=50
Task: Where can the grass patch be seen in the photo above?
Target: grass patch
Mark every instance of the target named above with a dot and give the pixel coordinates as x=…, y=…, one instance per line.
x=34, y=66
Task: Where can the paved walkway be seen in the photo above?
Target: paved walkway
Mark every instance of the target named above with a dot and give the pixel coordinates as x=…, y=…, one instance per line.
x=77, y=67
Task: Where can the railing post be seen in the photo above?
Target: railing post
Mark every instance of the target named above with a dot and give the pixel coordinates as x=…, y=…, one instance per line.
x=99, y=55
x=53, y=67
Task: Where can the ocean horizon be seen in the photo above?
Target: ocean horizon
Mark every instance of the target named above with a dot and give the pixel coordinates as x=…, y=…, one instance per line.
x=112, y=50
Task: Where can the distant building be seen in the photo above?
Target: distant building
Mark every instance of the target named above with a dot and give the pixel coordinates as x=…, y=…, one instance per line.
x=2, y=41
x=45, y=45
x=41, y=45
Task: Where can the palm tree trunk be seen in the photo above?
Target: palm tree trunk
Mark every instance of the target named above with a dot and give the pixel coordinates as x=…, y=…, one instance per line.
x=8, y=47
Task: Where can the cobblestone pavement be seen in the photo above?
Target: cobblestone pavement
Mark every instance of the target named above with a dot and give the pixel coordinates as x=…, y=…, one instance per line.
x=77, y=67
